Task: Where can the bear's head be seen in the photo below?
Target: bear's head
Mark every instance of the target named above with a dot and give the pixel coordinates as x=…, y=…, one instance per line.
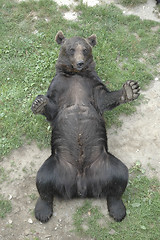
x=75, y=54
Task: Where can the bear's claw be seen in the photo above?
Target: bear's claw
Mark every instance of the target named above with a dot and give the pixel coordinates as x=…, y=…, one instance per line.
x=39, y=103
x=131, y=91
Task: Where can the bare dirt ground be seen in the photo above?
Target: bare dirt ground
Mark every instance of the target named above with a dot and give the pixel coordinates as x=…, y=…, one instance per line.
x=137, y=140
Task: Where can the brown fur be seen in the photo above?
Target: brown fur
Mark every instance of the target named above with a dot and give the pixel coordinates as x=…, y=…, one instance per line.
x=80, y=164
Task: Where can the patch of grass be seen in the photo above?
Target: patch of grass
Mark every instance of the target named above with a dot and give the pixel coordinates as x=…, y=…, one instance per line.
x=29, y=53
x=132, y=2
x=25, y=169
x=33, y=196
x=3, y=175
x=143, y=213
x=5, y=206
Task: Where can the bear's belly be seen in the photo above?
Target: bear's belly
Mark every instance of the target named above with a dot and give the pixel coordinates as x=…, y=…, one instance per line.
x=79, y=140
x=77, y=132
x=79, y=120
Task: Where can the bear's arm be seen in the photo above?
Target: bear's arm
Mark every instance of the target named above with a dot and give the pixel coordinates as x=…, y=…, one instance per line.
x=50, y=110
x=107, y=100
x=45, y=104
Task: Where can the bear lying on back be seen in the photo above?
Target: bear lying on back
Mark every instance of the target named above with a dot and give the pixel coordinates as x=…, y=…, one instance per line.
x=80, y=164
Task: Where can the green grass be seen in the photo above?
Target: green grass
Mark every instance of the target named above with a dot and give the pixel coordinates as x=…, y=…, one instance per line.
x=3, y=175
x=132, y=2
x=5, y=206
x=143, y=213
x=29, y=52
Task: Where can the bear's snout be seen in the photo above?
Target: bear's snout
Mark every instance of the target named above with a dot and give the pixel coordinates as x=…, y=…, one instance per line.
x=80, y=65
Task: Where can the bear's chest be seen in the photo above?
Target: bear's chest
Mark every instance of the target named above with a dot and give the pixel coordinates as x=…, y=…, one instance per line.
x=74, y=90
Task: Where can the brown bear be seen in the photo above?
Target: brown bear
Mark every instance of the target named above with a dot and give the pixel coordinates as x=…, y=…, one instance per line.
x=80, y=164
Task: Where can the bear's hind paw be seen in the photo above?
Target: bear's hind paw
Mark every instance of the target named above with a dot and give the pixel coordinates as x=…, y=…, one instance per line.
x=43, y=210
x=116, y=209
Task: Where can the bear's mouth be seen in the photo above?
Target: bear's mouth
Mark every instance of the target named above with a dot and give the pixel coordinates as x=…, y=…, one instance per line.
x=77, y=68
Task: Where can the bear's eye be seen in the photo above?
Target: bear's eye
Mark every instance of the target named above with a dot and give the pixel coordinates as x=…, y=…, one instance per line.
x=71, y=50
x=85, y=51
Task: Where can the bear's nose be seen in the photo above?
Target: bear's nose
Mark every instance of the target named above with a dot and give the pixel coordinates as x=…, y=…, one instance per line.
x=80, y=64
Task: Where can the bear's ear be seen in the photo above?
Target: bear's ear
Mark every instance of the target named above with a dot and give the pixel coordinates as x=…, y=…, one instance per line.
x=60, y=37
x=92, y=40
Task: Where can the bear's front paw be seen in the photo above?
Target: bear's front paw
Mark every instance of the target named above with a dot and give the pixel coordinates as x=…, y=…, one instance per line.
x=39, y=103
x=131, y=91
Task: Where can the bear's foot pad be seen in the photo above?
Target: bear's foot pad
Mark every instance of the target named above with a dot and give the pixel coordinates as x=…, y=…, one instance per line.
x=116, y=209
x=39, y=103
x=132, y=91
x=43, y=210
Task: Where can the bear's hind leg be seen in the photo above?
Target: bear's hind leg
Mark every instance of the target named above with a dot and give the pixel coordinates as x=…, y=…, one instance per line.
x=117, y=185
x=44, y=182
